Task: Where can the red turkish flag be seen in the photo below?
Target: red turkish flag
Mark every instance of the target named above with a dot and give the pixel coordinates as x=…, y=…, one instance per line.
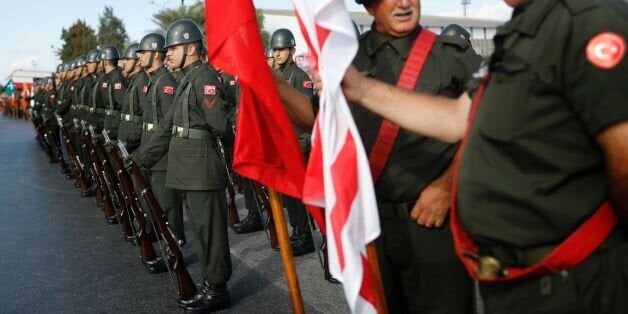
x=266, y=146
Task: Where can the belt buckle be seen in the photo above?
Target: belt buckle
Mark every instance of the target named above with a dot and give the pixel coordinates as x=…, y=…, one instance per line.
x=490, y=268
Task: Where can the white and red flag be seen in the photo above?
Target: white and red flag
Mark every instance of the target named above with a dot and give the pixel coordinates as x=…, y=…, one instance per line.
x=338, y=176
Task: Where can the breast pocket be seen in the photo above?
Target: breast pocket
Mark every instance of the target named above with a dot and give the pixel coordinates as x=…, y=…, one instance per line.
x=502, y=111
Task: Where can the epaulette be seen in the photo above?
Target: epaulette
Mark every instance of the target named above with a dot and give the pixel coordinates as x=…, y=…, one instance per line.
x=578, y=6
x=453, y=41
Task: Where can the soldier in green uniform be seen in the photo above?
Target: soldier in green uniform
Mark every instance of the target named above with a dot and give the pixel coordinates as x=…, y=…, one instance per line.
x=112, y=89
x=283, y=44
x=90, y=93
x=130, y=130
x=157, y=95
x=545, y=150
x=195, y=168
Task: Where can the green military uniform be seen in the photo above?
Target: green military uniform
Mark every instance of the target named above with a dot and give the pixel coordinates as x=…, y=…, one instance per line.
x=130, y=130
x=419, y=269
x=195, y=168
x=113, y=96
x=297, y=78
x=532, y=171
x=157, y=97
x=94, y=102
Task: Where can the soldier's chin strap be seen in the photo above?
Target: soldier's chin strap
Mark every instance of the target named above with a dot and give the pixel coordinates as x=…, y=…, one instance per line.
x=150, y=62
x=185, y=55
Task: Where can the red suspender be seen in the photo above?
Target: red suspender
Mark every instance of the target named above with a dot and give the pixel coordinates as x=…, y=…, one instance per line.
x=571, y=252
x=407, y=80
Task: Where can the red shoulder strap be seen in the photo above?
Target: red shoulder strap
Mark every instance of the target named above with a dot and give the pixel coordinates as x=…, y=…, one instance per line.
x=571, y=252
x=407, y=80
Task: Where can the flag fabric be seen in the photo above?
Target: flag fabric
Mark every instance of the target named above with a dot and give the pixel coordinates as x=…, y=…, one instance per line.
x=266, y=147
x=10, y=88
x=338, y=175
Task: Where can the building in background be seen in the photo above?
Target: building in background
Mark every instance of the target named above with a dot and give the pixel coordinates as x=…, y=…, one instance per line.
x=482, y=31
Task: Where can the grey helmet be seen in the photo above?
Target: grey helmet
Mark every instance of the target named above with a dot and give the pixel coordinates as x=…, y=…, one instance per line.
x=81, y=61
x=73, y=64
x=269, y=53
x=93, y=56
x=457, y=31
x=183, y=32
x=60, y=68
x=152, y=42
x=131, y=52
x=282, y=38
x=109, y=52
x=67, y=66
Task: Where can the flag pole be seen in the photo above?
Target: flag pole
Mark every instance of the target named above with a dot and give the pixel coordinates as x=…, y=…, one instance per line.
x=380, y=297
x=285, y=248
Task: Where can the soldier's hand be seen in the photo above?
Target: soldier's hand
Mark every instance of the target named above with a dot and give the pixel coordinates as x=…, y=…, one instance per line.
x=432, y=206
x=130, y=160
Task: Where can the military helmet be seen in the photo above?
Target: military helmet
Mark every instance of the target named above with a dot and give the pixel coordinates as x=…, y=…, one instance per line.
x=282, y=38
x=93, y=56
x=48, y=80
x=457, y=31
x=109, y=52
x=131, y=52
x=67, y=66
x=183, y=32
x=60, y=68
x=73, y=64
x=269, y=52
x=152, y=42
x=81, y=61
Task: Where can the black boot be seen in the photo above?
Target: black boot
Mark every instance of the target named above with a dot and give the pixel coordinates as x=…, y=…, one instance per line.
x=182, y=303
x=155, y=266
x=91, y=191
x=215, y=297
x=302, y=242
x=251, y=223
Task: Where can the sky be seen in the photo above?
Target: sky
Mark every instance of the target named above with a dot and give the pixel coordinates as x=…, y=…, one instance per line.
x=30, y=30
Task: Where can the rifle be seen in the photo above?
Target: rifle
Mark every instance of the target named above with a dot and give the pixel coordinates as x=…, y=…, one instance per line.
x=90, y=151
x=77, y=166
x=263, y=201
x=185, y=285
x=113, y=188
x=59, y=151
x=147, y=251
x=233, y=210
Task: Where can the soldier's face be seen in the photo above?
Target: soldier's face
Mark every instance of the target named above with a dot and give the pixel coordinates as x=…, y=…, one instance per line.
x=395, y=18
x=174, y=56
x=91, y=67
x=128, y=65
x=282, y=55
x=143, y=58
x=270, y=62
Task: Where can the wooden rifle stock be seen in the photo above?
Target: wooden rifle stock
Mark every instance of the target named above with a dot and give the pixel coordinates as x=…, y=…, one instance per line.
x=234, y=218
x=77, y=167
x=186, y=285
x=263, y=197
x=113, y=187
x=98, y=173
x=147, y=250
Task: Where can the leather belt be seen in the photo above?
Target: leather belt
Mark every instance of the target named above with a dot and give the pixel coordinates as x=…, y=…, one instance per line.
x=197, y=134
x=130, y=118
x=148, y=127
x=96, y=110
x=111, y=112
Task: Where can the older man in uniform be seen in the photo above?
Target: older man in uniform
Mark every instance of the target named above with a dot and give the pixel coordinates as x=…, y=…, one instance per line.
x=195, y=168
x=542, y=194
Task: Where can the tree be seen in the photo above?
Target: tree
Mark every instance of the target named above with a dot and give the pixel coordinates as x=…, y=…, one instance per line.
x=77, y=40
x=260, y=25
x=111, y=30
x=194, y=12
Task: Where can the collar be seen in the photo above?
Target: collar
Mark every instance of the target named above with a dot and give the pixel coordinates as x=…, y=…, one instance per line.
x=402, y=45
x=191, y=66
x=527, y=17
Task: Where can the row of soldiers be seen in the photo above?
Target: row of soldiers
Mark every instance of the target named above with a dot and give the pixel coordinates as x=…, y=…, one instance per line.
x=161, y=109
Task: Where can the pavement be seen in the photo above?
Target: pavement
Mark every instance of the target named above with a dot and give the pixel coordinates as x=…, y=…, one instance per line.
x=58, y=255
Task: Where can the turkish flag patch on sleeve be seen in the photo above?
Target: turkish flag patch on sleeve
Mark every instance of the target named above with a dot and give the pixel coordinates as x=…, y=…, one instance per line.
x=606, y=50
x=210, y=90
x=117, y=86
x=168, y=90
x=145, y=90
x=307, y=84
x=104, y=85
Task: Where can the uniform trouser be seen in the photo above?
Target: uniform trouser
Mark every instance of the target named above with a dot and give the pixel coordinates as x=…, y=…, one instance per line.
x=207, y=212
x=597, y=285
x=170, y=202
x=64, y=150
x=249, y=198
x=297, y=213
x=419, y=269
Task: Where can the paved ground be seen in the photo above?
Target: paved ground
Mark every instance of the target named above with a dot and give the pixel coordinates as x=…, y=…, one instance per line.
x=59, y=255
